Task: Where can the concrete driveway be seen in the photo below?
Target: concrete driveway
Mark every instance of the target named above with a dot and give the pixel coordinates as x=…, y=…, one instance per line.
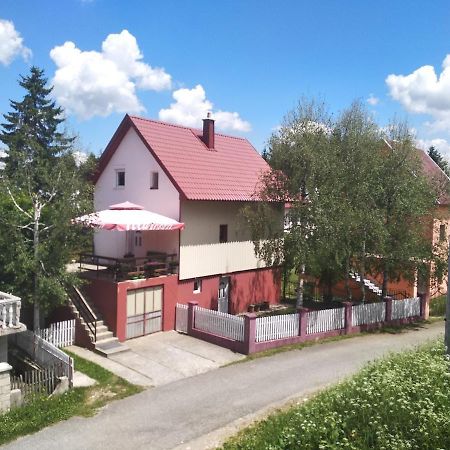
x=166, y=357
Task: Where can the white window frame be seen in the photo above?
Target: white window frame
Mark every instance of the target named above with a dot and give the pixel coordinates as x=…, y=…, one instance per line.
x=199, y=286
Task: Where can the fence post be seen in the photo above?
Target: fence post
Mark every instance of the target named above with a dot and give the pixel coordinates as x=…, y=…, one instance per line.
x=388, y=301
x=348, y=321
x=249, y=333
x=303, y=321
x=191, y=313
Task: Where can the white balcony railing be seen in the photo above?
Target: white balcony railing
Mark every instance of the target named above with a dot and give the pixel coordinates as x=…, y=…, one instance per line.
x=9, y=311
x=212, y=259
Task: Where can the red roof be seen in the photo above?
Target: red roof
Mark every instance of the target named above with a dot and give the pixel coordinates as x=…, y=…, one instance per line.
x=230, y=171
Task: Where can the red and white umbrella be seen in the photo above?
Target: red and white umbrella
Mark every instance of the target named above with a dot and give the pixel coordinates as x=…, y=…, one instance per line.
x=128, y=216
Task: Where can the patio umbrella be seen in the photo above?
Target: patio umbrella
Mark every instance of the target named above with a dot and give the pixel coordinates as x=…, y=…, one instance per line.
x=128, y=216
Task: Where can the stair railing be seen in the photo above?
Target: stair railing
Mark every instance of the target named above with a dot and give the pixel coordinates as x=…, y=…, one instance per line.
x=84, y=309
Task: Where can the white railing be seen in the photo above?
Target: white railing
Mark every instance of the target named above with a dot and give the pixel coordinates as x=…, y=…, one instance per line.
x=60, y=334
x=325, y=320
x=218, y=323
x=276, y=327
x=402, y=309
x=181, y=318
x=368, y=313
x=9, y=311
x=211, y=259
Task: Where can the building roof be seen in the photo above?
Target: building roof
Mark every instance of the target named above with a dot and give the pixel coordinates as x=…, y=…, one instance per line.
x=230, y=171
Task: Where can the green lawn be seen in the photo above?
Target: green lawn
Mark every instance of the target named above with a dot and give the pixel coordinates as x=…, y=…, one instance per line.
x=401, y=402
x=44, y=411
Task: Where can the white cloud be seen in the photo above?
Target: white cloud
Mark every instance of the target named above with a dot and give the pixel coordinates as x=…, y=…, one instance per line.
x=424, y=92
x=191, y=106
x=11, y=43
x=372, y=100
x=92, y=83
x=442, y=145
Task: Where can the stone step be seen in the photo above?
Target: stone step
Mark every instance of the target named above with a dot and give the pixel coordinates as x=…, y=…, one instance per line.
x=110, y=346
x=104, y=335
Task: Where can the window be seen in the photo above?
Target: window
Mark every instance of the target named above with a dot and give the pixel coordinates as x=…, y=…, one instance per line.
x=154, y=176
x=223, y=233
x=120, y=178
x=138, y=239
x=442, y=232
x=197, y=286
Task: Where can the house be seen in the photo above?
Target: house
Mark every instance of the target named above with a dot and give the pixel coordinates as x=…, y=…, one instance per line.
x=200, y=178
x=9, y=324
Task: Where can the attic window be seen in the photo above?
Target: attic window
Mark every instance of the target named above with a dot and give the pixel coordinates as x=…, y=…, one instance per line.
x=154, y=180
x=120, y=178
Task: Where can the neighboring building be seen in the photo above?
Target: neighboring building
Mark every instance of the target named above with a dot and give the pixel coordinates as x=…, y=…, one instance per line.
x=9, y=324
x=200, y=178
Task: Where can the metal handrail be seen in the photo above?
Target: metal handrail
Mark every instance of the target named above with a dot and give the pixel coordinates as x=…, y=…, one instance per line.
x=84, y=309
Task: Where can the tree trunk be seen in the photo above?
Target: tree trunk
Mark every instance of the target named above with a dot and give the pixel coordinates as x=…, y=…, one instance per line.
x=347, y=279
x=385, y=282
x=299, y=302
x=363, y=271
x=36, y=306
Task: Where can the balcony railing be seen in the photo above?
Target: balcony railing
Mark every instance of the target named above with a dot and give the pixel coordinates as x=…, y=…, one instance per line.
x=212, y=259
x=153, y=265
x=9, y=311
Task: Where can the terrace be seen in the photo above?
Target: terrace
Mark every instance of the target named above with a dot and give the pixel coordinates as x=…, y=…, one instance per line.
x=10, y=314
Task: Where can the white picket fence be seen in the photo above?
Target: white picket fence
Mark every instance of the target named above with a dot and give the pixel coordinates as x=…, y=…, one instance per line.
x=325, y=320
x=402, y=309
x=218, y=323
x=276, y=327
x=181, y=318
x=368, y=313
x=60, y=334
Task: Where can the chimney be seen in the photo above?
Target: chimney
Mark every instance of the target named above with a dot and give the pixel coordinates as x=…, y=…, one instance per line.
x=208, y=131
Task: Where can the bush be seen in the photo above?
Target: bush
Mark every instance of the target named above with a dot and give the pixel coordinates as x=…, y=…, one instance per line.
x=437, y=306
x=401, y=402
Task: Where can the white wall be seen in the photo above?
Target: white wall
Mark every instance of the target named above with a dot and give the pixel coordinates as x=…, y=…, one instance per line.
x=133, y=156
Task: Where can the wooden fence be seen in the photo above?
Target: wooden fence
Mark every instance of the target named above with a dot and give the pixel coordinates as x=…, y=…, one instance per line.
x=401, y=309
x=60, y=334
x=368, y=313
x=325, y=320
x=220, y=324
x=181, y=318
x=37, y=381
x=276, y=327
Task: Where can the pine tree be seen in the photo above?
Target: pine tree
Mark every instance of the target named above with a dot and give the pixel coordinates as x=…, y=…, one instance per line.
x=41, y=189
x=436, y=156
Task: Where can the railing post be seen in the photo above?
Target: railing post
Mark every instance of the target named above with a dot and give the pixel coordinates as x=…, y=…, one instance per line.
x=191, y=318
x=388, y=301
x=348, y=318
x=249, y=333
x=303, y=321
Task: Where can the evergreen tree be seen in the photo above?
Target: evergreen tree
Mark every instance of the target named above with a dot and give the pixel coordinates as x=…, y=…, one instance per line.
x=41, y=189
x=435, y=155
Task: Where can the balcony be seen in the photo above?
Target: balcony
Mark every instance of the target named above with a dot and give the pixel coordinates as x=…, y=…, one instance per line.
x=212, y=259
x=153, y=265
x=10, y=314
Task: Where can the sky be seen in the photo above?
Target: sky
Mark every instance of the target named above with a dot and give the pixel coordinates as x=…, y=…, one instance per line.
x=246, y=61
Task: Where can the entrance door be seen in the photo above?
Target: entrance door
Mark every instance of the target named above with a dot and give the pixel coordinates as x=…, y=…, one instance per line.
x=224, y=288
x=144, y=311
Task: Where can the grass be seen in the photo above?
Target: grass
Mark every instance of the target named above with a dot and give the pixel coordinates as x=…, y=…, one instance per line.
x=42, y=411
x=437, y=306
x=401, y=402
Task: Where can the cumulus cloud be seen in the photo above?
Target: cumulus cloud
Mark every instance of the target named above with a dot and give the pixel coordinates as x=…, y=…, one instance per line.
x=442, y=145
x=191, y=106
x=372, y=100
x=11, y=43
x=424, y=92
x=92, y=83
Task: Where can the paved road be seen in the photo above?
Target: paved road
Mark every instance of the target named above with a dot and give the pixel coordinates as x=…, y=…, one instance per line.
x=185, y=410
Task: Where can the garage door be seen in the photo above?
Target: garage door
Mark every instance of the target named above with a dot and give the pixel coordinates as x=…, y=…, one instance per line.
x=144, y=311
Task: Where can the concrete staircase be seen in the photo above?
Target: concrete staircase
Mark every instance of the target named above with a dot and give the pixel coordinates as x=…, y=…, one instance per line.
x=103, y=341
x=370, y=285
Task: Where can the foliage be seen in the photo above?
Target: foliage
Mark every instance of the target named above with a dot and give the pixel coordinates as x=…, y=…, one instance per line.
x=44, y=411
x=436, y=156
x=438, y=306
x=42, y=187
x=400, y=402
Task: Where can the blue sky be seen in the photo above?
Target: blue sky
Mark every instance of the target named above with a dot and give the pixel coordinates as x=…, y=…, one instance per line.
x=247, y=61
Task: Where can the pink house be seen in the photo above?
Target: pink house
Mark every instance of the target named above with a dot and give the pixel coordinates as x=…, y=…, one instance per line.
x=197, y=177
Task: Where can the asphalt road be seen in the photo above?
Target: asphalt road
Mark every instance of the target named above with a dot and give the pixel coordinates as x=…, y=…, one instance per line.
x=180, y=413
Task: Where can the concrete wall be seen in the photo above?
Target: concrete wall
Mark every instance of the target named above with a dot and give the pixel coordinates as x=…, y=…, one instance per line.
x=5, y=386
x=138, y=163
x=3, y=349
